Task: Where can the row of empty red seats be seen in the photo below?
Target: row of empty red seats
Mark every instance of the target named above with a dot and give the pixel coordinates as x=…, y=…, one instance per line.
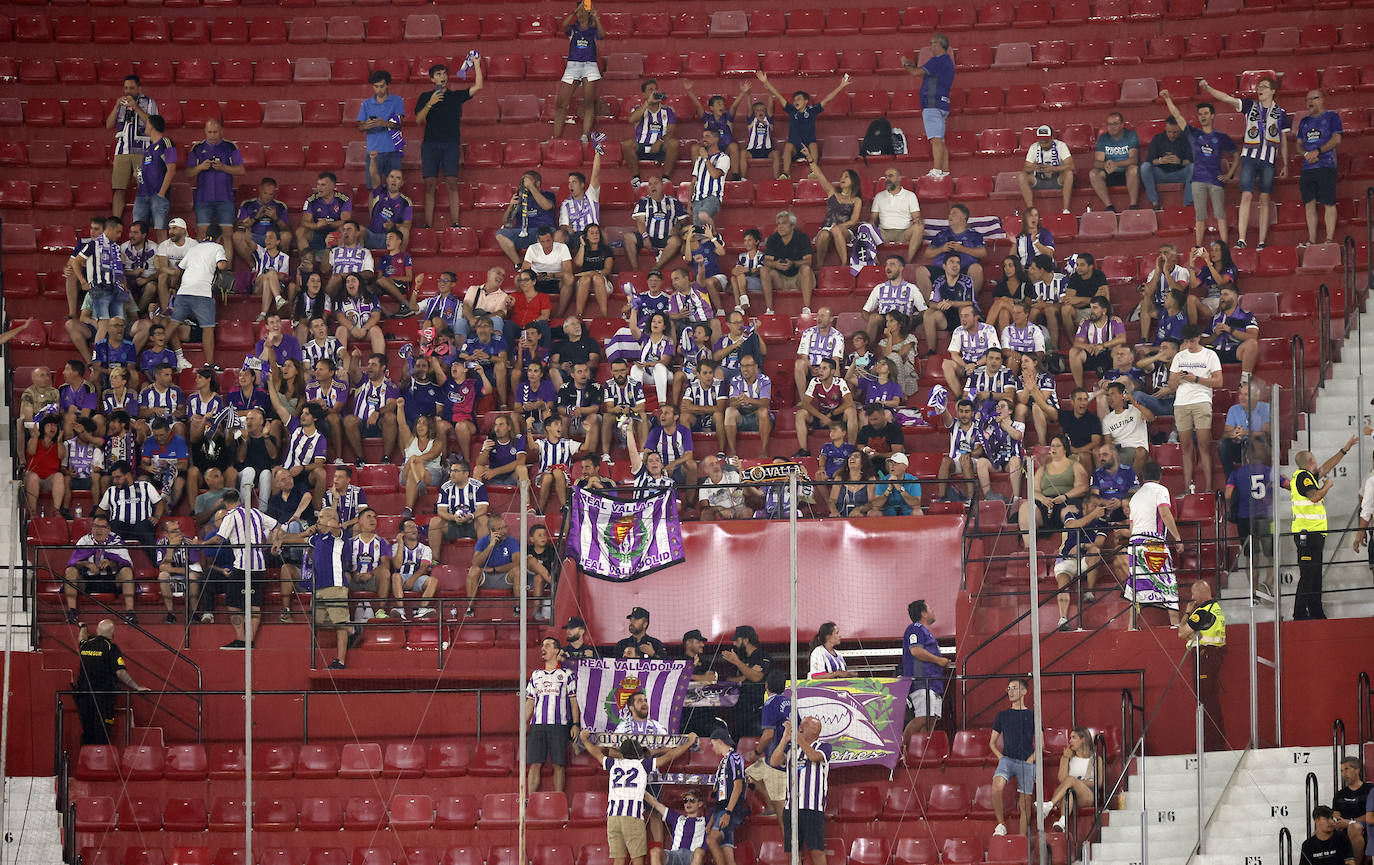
x=496, y=26
x=920, y=850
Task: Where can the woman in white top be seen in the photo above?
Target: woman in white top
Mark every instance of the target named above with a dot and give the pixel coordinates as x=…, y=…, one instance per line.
x=826, y=663
x=898, y=345
x=656, y=351
x=422, y=450
x=1080, y=772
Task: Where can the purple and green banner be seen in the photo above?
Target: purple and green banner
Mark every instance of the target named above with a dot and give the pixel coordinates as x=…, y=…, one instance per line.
x=862, y=719
x=624, y=540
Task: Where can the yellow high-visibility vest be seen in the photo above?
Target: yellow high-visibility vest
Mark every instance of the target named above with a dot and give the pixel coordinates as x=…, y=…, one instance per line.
x=1308, y=516
x=1212, y=635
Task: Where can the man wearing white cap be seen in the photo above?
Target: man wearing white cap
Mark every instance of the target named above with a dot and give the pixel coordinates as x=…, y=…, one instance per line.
x=1048, y=166
x=899, y=494
x=195, y=299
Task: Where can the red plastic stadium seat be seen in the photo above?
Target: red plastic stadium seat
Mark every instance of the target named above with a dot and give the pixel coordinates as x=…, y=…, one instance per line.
x=227, y=815
x=859, y=804
x=142, y=762
x=1243, y=44
x=518, y=108
x=321, y=814
x=1135, y=224
x=960, y=850
x=493, y=759
x=926, y=749
x=189, y=856
x=456, y=812
x=184, y=815
x=364, y=812
x=412, y=812
x=95, y=762
x=970, y=748
x=499, y=811
x=868, y=104
x=1319, y=258
x=915, y=851
x=1092, y=52
x=1097, y=225
x=547, y=810
x=1277, y=261
x=274, y=815
x=588, y=809
x=1012, y=55
x=947, y=802
x=1100, y=94
x=403, y=760
x=94, y=813
x=360, y=760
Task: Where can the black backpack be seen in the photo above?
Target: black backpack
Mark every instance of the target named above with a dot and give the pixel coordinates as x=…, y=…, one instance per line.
x=878, y=140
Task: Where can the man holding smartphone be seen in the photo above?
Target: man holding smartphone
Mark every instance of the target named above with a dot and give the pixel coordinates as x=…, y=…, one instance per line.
x=441, y=112
x=214, y=162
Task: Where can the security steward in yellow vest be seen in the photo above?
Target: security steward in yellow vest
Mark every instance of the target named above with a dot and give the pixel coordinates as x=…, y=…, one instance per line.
x=99, y=677
x=1307, y=488
x=1204, y=630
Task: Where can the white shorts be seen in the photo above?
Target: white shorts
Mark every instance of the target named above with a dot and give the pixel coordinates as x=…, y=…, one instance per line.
x=1067, y=567
x=581, y=70
x=925, y=703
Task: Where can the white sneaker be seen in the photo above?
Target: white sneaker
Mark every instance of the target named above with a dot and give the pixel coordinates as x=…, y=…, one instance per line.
x=1059, y=825
x=424, y=612
x=768, y=311
x=182, y=363
x=367, y=613
x=398, y=612
x=806, y=310
x=1045, y=809
x=1000, y=830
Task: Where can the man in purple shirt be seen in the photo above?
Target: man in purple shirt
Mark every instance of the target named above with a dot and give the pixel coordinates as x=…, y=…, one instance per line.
x=325, y=211
x=390, y=208
x=1319, y=134
x=374, y=410
x=155, y=173
x=283, y=345
x=1099, y=333
x=256, y=215
x=673, y=442
x=214, y=163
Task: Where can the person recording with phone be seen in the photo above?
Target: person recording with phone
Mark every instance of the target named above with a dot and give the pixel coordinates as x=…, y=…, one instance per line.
x=652, y=137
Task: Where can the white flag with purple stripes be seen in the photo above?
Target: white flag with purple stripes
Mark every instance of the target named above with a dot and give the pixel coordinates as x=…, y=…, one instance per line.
x=624, y=540
x=605, y=685
x=990, y=227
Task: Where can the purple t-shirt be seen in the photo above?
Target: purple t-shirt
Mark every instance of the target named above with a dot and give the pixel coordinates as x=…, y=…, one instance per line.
x=253, y=210
x=289, y=347
x=1207, y=150
x=331, y=209
x=543, y=393
x=1254, y=491
x=81, y=397
x=240, y=401
x=721, y=126
x=1313, y=133
x=213, y=184
x=582, y=44
x=875, y=392
x=388, y=208
x=156, y=159
x=1117, y=484
x=371, y=397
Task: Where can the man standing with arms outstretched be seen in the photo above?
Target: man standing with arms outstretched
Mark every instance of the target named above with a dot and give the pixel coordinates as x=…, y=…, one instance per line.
x=1264, y=148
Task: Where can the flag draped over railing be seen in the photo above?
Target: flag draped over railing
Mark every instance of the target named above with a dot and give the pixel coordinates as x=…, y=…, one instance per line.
x=623, y=540
x=604, y=687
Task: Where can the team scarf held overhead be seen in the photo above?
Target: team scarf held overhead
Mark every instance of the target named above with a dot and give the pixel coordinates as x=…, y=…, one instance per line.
x=623, y=540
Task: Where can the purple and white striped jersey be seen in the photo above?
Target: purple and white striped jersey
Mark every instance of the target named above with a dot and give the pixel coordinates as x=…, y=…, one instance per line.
x=627, y=395
x=629, y=779
x=371, y=397
x=653, y=125
x=816, y=346
x=347, y=503
x=358, y=309
x=1052, y=291
x=462, y=500
x=246, y=525
x=761, y=388
x=350, y=259
x=810, y=781
x=366, y=554
x=330, y=350
x=704, y=185
x=166, y=403
x=903, y=297
x=730, y=770
x=962, y=439
x=1264, y=128
x=578, y=213
x=83, y=459
x=669, y=445
x=198, y=406
x=972, y=346
x=1100, y=334
x=705, y=396
x=686, y=833
x=109, y=553
x=264, y=261
x=557, y=454
x=751, y=261
x=760, y=133
x=328, y=561
x=303, y=448
x=414, y=558
x=983, y=382
x=1027, y=340
x=550, y=690
x=328, y=395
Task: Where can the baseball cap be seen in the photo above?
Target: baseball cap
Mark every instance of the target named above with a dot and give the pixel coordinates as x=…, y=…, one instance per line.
x=693, y=634
x=898, y=457
x=177, y=223
x=1044, y=132
x=638, y=613
x=575, y=622
x=720, y=734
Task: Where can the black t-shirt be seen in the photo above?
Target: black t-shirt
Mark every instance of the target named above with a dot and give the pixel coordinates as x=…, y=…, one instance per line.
x=444, y=122
x=101, y=661
x=1307, y=483
x=881, y=439
x=580, y=351
x=1352, y=804
x=751, y=693
x=1333, y=851
x=281, y=508
x=1017, y=727
x=548, y=558
x=1080, y=430
x=793, y=251
x=595, y=257
x=656, y=646
x=1086, y=288
x=586, y=651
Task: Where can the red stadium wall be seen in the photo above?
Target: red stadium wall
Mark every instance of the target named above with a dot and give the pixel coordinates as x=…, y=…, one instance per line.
x=858, y=573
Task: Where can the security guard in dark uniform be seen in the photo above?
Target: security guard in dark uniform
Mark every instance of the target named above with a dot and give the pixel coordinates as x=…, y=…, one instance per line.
x=1204, y=629
x=1308, y=487
x=102, y=671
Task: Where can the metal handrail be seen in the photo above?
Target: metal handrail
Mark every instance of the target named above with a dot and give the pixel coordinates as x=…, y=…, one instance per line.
x=1312, y=798
x=1285, y=846
x=1337, y=751
x=1369, y=234
x=1349, y=266
x=1362, y=707
x=1325, y=348
x=1299, y=384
